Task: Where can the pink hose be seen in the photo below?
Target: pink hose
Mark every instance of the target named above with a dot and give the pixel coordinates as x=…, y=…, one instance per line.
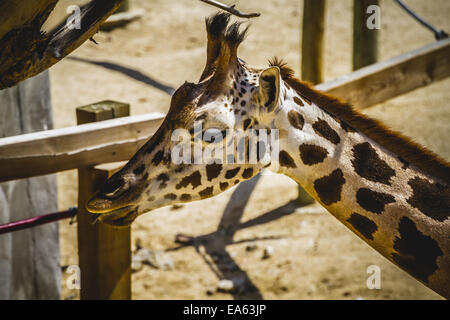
x=36, y=221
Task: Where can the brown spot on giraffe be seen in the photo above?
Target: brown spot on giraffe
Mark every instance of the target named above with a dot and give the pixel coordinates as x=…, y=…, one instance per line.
x=163, y=178
x=432, y=199
x=151, y=147
x=194, y=179
x=223, y=185
x=416, y=253
x=247, y=173
x=308, y=101
x=232, y=173
x=179, y=168
x=363, y=225
x=185, y=197
x=373, y=201
x=213, y=170
x=206, y=193
x=368, y=164
x=247, y=123
x=329, y=187
x=312, y=154
x=298, y=101
x=286, y=160
x=323, y=129
x=296, y=119
x=158, y=157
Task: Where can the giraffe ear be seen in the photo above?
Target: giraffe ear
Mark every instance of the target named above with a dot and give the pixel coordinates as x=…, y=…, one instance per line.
x=269, y=87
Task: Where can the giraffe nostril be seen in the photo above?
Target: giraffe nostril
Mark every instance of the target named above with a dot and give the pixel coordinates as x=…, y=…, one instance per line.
x=112, y=186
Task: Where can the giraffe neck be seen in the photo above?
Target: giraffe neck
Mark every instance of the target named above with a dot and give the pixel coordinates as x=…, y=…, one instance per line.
x=396, y=208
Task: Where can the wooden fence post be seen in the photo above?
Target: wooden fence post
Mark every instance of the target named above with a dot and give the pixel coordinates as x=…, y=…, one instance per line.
x=312, y=40
x=365, y=40
x=313, y=28
x=104, y=252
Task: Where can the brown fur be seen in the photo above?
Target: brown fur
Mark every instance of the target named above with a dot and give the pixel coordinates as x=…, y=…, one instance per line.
x=329, y=188
x=397, y=143
x=312, y=154
x=296, y=119
x=215, y=27
x=363, y=225
x=223, y=41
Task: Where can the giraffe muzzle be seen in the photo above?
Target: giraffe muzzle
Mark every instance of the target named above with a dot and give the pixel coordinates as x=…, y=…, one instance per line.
x=122, y=217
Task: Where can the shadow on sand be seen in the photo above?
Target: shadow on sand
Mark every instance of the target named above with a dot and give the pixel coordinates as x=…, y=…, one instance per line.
x=134, y=74
x=215, y=254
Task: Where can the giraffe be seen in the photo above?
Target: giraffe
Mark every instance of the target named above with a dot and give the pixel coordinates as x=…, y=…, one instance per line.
x=391, y=192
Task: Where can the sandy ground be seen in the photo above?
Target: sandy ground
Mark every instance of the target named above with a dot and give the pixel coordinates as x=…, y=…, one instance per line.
x=314, y=256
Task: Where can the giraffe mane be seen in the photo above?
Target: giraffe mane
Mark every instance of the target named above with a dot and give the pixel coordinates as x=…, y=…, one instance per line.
x=407, y=150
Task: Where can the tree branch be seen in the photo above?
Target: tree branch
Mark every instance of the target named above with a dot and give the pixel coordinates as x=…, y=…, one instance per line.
x=26, y=51
x=41, y=51
x=231, y=9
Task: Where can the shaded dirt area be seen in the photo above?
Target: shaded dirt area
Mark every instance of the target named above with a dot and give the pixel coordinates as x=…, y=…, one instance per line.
x=312, y=255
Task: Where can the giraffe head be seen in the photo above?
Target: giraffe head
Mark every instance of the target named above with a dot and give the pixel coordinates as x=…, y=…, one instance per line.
x=204, y=144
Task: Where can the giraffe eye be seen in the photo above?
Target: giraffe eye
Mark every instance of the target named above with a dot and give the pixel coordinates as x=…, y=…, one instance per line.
x=213, y=135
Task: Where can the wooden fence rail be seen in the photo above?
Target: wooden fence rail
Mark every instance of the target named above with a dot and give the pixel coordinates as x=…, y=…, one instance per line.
x=57, y=150
x=118, y=139
x=393, y=77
